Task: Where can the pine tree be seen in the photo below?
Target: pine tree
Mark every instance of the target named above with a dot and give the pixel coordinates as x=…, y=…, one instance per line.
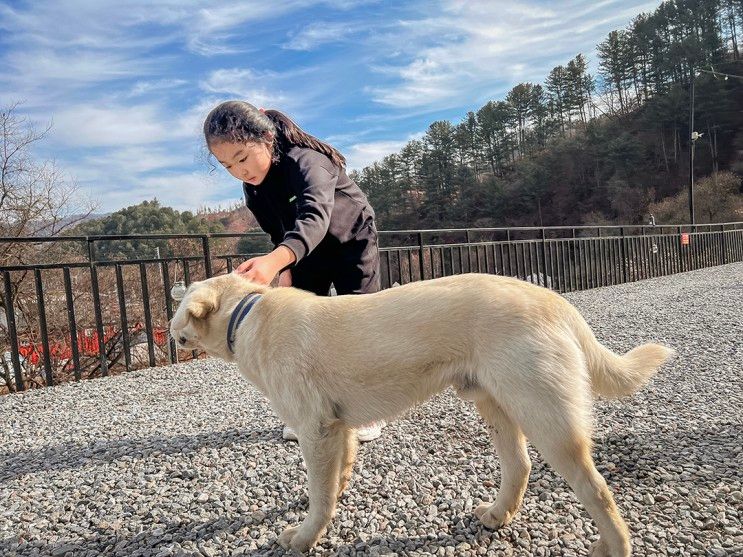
x=557, y=87
x=521, y=99
x=614, y=54
x=493, y=121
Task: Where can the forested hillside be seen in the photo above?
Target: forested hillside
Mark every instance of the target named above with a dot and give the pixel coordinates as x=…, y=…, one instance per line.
x=582, y=148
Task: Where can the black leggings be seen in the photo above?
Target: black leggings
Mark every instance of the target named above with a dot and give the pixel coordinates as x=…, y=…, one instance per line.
x=353, y=267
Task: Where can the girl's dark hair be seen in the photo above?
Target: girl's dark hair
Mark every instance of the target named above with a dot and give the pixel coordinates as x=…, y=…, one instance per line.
x=239, y=121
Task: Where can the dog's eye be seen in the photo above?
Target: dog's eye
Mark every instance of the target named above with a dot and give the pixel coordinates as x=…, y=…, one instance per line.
x=182, y=340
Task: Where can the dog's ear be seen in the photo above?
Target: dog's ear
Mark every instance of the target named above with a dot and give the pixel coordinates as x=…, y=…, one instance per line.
x=203, y=301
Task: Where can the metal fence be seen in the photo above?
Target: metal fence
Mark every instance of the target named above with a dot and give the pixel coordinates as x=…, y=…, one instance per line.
x=97, y=312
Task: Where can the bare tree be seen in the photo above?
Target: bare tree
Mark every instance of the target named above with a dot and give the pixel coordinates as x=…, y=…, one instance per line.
x=35, y=196
x=36, y=199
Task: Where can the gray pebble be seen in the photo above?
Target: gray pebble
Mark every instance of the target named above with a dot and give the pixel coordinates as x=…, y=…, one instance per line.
x=188, y=459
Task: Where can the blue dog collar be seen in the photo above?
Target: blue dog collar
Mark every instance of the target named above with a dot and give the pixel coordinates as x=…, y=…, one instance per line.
x=238, y=314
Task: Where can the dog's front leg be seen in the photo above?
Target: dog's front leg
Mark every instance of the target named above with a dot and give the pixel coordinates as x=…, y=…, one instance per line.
x=322, y=447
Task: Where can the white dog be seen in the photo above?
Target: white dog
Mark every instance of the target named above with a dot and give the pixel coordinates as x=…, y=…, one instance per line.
x=522, y=353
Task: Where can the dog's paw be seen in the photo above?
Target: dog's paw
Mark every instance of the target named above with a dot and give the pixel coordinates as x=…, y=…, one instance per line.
x=600, y=548
x=491, y=517
x=294, y=538
x=286, y=536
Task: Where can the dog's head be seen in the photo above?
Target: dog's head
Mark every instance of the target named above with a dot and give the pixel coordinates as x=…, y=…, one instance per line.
x=202, y=318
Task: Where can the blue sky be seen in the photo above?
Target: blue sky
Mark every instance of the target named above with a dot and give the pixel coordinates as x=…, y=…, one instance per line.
x=126, y=85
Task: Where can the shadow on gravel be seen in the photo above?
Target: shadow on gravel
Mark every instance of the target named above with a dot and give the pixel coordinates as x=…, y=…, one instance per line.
x=70, y=455
x=712, y=452
x=633, y=455
x=107, y=542
x=156, y=539
x=710, y=455
x=393, y=545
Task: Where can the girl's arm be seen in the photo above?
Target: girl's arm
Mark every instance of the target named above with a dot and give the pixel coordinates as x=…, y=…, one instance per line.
x=314, y=177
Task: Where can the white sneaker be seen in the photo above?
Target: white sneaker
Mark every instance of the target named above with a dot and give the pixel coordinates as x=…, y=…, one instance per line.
x=289, y=434
x=364, y=434
x=371, y=431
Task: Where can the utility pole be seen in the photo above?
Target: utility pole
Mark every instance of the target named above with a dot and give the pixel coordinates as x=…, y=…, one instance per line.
x=692, y=141
x=693, y=136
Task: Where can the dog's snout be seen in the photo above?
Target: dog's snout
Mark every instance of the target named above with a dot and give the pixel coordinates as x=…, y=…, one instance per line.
x=182, y=339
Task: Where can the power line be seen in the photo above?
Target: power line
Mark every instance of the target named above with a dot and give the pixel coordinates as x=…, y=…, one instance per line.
x=715, y=73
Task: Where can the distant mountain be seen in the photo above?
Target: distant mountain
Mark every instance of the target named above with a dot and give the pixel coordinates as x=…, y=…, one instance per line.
x=236, y=220
x=50, y=228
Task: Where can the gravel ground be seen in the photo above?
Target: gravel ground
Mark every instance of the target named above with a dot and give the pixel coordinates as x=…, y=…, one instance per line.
x=188, y=460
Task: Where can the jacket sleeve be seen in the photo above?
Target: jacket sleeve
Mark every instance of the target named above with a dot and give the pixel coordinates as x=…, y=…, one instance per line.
x=314, y=177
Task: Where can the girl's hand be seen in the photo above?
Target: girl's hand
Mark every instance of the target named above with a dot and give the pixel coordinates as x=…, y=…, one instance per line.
x=263, y=269
x=285, y=278
x=258, y=269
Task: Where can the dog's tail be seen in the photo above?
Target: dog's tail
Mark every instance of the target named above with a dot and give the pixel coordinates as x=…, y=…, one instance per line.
x=613, y=375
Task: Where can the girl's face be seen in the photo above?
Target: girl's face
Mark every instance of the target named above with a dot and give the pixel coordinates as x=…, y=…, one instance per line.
x=248, y=162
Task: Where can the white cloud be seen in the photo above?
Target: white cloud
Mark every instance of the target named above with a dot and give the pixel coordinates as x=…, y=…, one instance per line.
x=146, y=87
x=81, y=24
x=188, y=191
x=320, y=33
x=105, y=24
x=219, y=28
x=476, y=44
x=127, y=84
x=44, y=78
x=136, y=160
x=184, y=191
x=245, y=84
x=98, y=126
x=43, y=66
x=360, y=155
x=213, y=29
x=138, y=126
x=298, y=92
x=190, y=123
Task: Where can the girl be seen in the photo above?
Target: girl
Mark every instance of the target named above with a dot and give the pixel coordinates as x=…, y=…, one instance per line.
x=319, y=220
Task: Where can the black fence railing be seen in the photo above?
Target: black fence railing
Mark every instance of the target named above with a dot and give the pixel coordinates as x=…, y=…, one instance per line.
x=77, y=307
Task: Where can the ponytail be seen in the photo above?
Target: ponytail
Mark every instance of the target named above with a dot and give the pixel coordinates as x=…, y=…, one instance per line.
x=291, y=134
x=239, y=121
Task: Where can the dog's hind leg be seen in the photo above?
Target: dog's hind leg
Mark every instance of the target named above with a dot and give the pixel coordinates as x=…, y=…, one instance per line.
x=555, y=416
x=571, y=457
x=322, y=448
x=347, y=460
x=515, y=465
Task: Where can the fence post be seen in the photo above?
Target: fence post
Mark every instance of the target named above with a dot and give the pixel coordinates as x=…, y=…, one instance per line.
x=207, y=255
x=420, y=256
x=624, y=255
x=12, y=333
x=147, y=314
x=71, y=320
x=544, y=258
x=680, y=252
x=41, y=308
x=724, y=246
x=97, y=307
x=124, y=320
x=600, y=263
x=172, y=348
x=469, y=253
